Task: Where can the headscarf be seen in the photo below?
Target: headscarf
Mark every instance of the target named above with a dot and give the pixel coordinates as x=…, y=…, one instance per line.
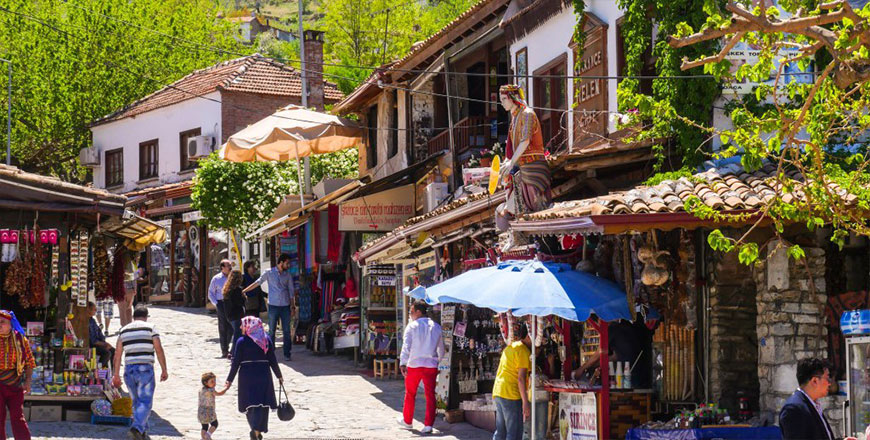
x=252, y=327
x=16, y=341
x=514, y=93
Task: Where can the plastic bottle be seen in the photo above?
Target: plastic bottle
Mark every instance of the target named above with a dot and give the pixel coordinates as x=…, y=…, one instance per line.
x=618, y=375
x=626, y=373
x=612, y=375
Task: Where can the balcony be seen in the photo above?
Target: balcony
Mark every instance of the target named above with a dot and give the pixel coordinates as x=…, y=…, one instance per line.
x=473, y=131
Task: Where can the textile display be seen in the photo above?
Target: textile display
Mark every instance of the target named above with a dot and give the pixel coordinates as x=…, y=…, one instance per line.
x=334, y=236
x=304, y=298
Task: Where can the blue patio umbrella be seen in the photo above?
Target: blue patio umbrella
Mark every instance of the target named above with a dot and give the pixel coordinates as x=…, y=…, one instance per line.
x=532, y=288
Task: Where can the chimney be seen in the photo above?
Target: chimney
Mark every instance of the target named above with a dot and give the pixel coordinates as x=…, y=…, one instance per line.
x=313, y=41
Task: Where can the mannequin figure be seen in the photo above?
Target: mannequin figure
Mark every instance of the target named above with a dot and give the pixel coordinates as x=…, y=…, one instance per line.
x=524, y=173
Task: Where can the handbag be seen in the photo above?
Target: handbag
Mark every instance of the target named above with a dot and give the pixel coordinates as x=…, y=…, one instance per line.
x=285, y=409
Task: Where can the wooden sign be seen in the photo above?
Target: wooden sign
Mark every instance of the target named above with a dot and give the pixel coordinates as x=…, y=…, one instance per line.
x=590, y=95
x=383, y=211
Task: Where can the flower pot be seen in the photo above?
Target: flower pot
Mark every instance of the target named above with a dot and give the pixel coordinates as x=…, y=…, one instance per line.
x=486, y=162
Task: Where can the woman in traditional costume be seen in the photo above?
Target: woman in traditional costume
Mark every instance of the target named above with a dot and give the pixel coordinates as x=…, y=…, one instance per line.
x=16, y=368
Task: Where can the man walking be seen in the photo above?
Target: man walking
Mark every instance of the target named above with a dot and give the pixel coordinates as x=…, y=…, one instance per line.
x=139, y=341
x=510, y=390
x=282, y=297
x=422, y=350
x=801, y=418
x=216, y=297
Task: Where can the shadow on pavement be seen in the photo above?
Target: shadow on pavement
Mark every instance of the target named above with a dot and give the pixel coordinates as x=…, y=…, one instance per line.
x=159, y=428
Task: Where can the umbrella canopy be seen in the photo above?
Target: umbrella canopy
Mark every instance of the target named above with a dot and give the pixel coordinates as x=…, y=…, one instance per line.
x=532, y=288
x=291, y=133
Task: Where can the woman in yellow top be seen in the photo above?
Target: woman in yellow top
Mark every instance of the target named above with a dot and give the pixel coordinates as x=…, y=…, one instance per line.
x=525, y=172
x=510, y=391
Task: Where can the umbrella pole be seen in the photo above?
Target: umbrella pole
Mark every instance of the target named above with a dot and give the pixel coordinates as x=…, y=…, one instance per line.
x=534, y=374
x=299, y=171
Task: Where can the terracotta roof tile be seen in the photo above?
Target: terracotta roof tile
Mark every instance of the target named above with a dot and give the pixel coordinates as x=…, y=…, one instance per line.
x=250, y=74
x=724, y=188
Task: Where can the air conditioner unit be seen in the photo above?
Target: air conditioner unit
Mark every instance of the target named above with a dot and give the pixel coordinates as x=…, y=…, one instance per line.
x=89, y=157
x=434, y=194
x=199, y=147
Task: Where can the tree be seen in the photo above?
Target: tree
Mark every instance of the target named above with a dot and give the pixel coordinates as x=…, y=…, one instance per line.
x=817, y=128
x=243, y=196
x=75, y=62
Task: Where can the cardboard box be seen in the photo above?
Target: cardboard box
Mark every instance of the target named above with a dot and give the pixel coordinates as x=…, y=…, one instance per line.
x=46, y=413
x=73, y=415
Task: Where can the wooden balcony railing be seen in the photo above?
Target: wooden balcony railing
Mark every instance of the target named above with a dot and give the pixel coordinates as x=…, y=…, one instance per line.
x=472, y=131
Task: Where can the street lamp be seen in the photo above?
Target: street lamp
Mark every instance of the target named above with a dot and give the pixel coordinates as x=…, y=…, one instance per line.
x=8, y=115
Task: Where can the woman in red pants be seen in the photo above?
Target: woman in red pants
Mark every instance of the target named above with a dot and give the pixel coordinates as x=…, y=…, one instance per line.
x=16, y=367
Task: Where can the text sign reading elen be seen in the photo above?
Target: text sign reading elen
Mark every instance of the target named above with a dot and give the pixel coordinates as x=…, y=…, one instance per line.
x=383, y=211
x=578, y=416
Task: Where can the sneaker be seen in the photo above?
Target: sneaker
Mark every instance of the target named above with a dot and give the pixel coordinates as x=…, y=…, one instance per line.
x=136, y=435
x=288, y=357
x=426, y=430
x=401, y=422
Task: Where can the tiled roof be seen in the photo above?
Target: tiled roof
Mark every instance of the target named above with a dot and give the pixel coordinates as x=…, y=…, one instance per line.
x=250, y=74
x=727, y=188
x=14, y=174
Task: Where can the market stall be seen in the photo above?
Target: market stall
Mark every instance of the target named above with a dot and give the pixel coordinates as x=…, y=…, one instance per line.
x=62, y=246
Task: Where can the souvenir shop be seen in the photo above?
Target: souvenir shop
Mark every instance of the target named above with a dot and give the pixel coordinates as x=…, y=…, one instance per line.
x=62, y=246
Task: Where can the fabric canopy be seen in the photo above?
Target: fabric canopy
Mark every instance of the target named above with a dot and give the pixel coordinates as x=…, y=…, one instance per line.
x=139, y=232
x=289, y=134
x=532, y=288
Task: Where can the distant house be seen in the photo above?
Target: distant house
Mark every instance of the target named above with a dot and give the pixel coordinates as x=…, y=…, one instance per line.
x=250, y=26
x=145, y=144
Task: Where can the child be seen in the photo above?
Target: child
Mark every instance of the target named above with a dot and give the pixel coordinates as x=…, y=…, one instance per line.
x=206, y=412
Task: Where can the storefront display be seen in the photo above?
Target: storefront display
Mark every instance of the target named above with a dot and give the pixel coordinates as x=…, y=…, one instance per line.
x=381, y=312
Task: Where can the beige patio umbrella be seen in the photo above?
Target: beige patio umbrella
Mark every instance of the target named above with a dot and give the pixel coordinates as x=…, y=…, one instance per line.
x=289, y=134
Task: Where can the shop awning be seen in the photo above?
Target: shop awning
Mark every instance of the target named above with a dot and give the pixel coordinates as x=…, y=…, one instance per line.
x=449, y=214
x=139, y=232
x=299, y=216
x=29, y=191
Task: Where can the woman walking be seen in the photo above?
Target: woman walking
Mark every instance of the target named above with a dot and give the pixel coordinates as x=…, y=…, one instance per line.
x=234, y=304
x=131, y=273
x=255, y=300
x=16, y=368
x=253, y=357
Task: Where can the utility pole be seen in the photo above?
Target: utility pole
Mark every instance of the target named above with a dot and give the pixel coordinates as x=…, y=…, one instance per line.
x=8, y=115
x=304, y=67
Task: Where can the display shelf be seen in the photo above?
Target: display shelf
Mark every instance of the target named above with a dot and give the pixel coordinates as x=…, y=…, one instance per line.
x=60, y=398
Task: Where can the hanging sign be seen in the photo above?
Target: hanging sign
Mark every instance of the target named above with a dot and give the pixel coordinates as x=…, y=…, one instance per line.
x=578, y=416
x=383, y=211
x=385, y=280
x=191, y=216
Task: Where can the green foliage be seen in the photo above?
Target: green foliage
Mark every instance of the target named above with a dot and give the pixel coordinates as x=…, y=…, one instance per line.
x=658, y=178
x=675, y=107
x=243, y=196
x=357, y=30
x=85, y=66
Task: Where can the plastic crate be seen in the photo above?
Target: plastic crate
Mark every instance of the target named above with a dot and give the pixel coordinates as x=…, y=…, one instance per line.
x=111, y=420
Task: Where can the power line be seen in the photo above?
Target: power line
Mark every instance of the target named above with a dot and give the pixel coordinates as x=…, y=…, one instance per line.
x=418, y=71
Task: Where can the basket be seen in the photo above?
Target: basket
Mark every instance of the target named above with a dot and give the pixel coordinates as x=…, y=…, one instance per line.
x=111, y=420
x=454, y=416
x=122, y=407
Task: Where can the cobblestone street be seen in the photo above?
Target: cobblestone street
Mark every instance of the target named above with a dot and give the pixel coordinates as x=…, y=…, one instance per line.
x=333, y=399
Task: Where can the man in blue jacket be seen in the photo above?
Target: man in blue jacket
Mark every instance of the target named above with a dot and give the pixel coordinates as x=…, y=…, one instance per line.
x=801, y=418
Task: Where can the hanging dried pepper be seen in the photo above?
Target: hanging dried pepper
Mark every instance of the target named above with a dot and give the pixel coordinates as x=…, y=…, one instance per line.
x=101, y=268
x=16, y=275
x=116, y=280
x=36, y=292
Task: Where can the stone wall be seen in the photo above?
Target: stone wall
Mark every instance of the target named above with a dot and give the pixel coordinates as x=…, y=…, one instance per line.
x=733, y=340
x=790, y=300
x=423, y=106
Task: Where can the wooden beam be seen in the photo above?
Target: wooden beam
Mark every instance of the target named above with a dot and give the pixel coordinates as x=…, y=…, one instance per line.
x=610, y=160
x=467, y=221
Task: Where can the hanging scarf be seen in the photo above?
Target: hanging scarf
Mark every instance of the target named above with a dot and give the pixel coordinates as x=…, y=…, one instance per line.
x=17, y=341
x=252, y=327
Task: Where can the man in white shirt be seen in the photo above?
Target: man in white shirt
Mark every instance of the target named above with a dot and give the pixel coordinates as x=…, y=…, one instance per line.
x=216, y=297
x=422, y=350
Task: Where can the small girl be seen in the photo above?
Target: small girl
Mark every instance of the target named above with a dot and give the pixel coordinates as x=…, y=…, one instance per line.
x=206, y=413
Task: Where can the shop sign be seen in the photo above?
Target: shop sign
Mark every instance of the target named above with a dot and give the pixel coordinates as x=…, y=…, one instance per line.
x=384, y=280
x=578, y=416
x=590, y=116
x=383, y=211
x=191, y=216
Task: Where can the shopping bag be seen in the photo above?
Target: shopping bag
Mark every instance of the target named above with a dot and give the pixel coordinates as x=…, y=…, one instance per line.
x=285, y=409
